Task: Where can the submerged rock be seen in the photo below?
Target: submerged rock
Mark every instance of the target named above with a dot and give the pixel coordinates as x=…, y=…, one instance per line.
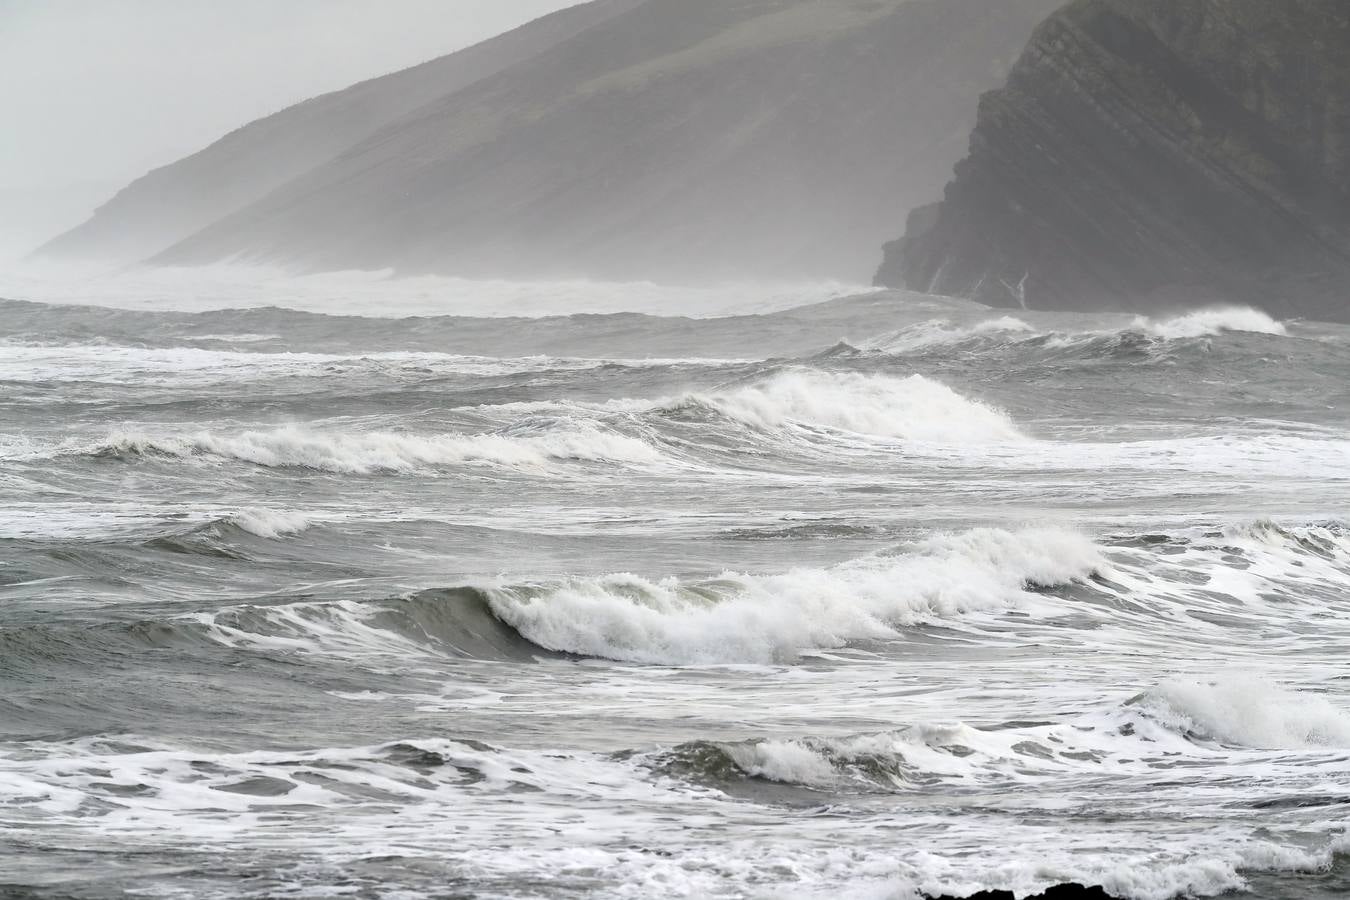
x=1058, y=892
x=1155, y=153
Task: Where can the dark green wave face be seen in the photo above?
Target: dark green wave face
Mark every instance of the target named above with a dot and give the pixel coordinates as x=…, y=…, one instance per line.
x=878, y=596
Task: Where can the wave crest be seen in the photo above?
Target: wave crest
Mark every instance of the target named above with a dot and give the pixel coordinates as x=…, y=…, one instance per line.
x=1213, y=321
x=1247, y=712
x=525, y=447
x=1144, y=336
x=762, y=619
x=270, y=523
x=913, y=409
x=942, y=333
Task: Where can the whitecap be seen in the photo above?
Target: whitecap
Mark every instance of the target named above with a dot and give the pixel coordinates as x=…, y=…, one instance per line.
x=914, y=408
x=270, y=523
x=745, y=618
x=1246, y=711
x=364, y=453
x=1211, y=322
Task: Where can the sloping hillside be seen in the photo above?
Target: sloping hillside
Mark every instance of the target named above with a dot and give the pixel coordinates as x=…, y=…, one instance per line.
x=175, y=201
x=679, y=139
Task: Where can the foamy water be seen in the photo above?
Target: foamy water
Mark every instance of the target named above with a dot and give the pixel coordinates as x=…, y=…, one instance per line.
x=881, y=598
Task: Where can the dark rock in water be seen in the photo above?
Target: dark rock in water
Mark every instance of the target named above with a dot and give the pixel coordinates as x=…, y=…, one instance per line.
x=1155, y=153
x=1058, y=892
x=688, y=140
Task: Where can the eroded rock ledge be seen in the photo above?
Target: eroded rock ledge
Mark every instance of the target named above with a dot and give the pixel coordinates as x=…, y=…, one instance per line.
x=1155, y=153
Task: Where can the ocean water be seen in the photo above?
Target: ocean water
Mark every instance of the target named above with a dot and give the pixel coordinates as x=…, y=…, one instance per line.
x=876, y=597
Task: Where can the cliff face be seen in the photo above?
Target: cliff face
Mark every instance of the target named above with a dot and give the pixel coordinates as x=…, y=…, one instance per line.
x=677, y=139
x=1149, y=153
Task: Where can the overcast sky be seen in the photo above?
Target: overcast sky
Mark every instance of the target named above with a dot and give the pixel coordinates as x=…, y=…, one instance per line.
x=100, y=91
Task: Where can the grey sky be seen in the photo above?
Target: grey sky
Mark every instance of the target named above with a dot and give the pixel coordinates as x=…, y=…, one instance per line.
x=96, y=92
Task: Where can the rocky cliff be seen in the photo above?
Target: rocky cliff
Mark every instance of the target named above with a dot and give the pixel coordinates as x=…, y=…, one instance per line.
x=675, y=139
x=1149, y=153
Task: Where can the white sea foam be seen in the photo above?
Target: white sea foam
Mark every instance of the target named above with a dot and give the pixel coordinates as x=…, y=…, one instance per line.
x=1234, y=454
x=785, y=761
x=400, y=798
x=1248, y=712
x=244, y=338
x=914, y=408
x=741, y=618
x=942, y=333
x=1209, y=322
x=1213, y=321
x=178, y=366
x=336, y=628
x=388, y=451
x=1254, y=714
x=921, y=753
x=270, y=523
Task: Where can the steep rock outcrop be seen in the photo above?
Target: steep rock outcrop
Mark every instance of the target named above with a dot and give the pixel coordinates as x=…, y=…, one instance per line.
x=1149, y=153
x=677, y=140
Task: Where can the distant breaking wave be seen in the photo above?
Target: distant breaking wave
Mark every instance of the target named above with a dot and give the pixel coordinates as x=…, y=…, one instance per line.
x=388, y=451
x=36, y=362
x=776, y=408
x=914, y=408
x=1009, y=331
x=942, y=333
x=1211, y=322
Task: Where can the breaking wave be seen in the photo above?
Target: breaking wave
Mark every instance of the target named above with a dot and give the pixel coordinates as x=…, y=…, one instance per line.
x=731, y=619
x=942, y=333
x=1250, y=713
x=740, y=618
x=788, y=403
x=270, y=523
x=914, y=408
x=532, y=446
x=1211, y=322
x=220, y=537
x=1139, y=337
x=1236, y=586
x=1215, y=586
x=1246, y=711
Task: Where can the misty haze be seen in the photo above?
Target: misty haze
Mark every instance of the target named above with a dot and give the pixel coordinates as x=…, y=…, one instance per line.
x=890, y=449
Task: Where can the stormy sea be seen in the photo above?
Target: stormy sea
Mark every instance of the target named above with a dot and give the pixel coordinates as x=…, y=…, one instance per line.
x=828, y=594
